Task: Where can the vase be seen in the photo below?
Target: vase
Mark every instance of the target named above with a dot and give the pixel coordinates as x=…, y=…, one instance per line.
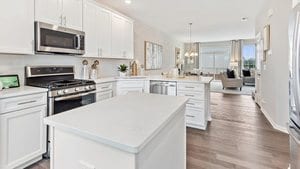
x=122, y=74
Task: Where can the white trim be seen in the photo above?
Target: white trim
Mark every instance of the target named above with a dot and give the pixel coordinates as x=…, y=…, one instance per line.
x=275, y=126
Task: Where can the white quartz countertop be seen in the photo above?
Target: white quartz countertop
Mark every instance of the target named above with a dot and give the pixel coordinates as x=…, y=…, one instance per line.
x=189, y=79
x=125, y=122
x=20, y=91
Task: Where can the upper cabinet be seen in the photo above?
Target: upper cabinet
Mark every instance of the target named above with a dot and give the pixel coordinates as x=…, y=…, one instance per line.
x=97, y=28
x=108, y=35
x=17, y=33
x=66, y=13
x=122, y=37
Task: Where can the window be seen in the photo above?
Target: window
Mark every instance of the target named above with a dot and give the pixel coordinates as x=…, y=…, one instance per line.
x=214, y=57
x=248, y=55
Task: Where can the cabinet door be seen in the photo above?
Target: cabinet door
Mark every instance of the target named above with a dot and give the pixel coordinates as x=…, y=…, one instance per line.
x=22, y=136
x=128, y=39
x=104, y=30
x=72, y=14
x=49, y=11
x=90, y=29
x=17, y=26
x=117, y=25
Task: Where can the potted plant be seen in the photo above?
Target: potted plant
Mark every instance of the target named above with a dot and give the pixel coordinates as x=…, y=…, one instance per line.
x=122, y=70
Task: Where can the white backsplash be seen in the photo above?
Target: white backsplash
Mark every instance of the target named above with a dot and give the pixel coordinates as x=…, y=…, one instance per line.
x=15, y=64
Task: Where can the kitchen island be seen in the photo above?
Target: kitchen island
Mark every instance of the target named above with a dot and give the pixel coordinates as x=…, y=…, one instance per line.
x=134, y=131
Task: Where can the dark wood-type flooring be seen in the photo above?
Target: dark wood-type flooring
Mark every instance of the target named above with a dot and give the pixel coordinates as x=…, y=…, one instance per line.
x=239, y=137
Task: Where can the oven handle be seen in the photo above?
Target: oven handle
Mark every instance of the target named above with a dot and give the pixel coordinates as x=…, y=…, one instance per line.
x=73, y=96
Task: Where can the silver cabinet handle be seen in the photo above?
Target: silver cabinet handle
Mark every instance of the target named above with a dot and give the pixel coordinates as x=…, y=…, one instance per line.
x=189, y=87
x=65, y=20
x=189, y=95
x=190, y=116
x=61, y=19
x=191, y=103
x=32, y=101
x=105, y=87
x=100, y=52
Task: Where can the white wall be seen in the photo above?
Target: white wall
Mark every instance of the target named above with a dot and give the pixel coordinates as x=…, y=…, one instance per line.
x=275, y=74
x=143, y=33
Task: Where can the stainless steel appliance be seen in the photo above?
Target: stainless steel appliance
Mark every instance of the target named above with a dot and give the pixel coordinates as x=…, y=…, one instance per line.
x=55, y=39
x=163, y=87
x=64, y=92
x=294, y=127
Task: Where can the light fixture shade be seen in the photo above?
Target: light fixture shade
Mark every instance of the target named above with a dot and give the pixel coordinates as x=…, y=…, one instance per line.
x=187, y=54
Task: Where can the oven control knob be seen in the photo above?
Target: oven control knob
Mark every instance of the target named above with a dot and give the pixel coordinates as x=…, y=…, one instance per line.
x=92, y=87
x=87, y=87
x=66, y=91
x=77, y=89
x=60, y=92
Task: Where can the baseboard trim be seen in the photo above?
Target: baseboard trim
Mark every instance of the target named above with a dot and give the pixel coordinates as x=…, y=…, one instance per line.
x=274, y=125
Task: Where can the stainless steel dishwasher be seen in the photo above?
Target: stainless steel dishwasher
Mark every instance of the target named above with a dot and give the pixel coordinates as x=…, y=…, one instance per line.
x=163, y=87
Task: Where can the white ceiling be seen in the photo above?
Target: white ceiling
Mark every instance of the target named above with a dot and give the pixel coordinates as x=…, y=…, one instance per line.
x=213, y=20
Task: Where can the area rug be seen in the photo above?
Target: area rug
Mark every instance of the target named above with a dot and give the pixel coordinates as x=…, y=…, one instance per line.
x=216, y=86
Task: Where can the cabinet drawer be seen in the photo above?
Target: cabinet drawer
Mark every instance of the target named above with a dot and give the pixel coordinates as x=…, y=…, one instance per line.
x=22, y=102
x=190, y=87
x=195, y=104
x=104, y=87
x=195, y=116
x=192, y=95
x=130, y=84
x=104, y=95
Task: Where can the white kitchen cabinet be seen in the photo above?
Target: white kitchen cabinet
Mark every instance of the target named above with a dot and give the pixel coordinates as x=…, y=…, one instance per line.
x=72, y=14
x=17, y=23
x=66, y=13
x=22, y=137
x=97, y=26
x=198, y=108
x=122, y=37
x=22, y=131
x=126, y=86
x=49, y=11
x=104, y=91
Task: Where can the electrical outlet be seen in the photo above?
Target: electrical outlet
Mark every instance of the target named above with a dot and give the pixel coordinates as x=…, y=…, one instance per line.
x=85, y=165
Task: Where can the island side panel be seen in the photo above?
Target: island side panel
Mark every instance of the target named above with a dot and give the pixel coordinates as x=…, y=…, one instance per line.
x=207, y=101
x=76, y=152
x=167, y=150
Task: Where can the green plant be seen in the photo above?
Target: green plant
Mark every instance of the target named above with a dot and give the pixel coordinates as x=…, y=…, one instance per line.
x=123, y=68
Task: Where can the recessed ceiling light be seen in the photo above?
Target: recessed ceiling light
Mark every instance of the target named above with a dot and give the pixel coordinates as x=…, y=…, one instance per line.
x=128, y=1
x=244, y=19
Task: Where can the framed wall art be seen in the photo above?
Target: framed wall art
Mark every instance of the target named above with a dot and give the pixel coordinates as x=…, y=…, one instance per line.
x=153, y=56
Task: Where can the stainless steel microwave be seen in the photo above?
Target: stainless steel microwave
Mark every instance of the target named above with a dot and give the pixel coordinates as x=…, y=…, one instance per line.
x=56, y=39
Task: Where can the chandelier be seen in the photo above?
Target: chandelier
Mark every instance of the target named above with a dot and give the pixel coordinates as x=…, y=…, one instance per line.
x=191, y=53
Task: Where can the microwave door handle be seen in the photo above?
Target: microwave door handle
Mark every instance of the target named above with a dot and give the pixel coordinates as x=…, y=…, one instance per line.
x=78, y=41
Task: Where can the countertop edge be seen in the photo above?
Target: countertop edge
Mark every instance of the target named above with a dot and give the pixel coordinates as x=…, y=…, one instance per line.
x=120, y=146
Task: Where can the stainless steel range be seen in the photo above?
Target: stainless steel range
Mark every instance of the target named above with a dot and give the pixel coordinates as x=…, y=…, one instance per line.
x=64, y=92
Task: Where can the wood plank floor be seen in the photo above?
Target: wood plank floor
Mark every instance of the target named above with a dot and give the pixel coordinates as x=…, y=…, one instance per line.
x=239, y=137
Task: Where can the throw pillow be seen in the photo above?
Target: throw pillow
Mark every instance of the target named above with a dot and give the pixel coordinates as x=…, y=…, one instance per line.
x=230, y=74
x=246, y=73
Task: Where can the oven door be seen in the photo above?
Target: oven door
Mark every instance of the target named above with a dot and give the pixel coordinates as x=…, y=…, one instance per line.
x=55, y=39
x=65, y=103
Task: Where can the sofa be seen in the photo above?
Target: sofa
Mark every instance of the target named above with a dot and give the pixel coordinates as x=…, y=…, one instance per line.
x=231, y=82
x=249, y=77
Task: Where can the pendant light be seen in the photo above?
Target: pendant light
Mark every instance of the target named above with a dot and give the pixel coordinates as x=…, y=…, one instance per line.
x=190, y=53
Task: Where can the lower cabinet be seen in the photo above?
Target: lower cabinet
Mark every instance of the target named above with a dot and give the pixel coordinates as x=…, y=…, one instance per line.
x=22, y=137
x=104, y=91
x=197, y=108
x=126, y=86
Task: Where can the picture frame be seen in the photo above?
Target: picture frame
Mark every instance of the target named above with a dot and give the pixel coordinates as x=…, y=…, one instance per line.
x=10, y=81
x=153, y=56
